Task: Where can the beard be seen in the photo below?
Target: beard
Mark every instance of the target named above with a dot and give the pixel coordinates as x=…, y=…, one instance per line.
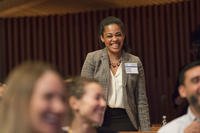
x=194, y=101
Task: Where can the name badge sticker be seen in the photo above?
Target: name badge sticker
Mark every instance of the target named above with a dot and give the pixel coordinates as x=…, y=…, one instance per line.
x=131, y=68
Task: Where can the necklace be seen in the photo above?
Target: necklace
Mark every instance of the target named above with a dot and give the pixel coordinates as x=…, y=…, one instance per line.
x=113, y=64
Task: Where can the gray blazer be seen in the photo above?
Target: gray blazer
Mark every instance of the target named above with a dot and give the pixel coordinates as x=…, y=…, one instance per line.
x=96, y=66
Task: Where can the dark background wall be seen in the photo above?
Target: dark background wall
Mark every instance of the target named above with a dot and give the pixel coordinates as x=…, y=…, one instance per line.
x=159, y=35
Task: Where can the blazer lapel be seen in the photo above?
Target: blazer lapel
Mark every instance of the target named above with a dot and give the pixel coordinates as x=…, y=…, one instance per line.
x=125, y=59
x=106, y=67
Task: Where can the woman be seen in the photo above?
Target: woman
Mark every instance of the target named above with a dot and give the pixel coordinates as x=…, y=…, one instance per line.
x=34, y=101
x=86, y=106
x=122, y=77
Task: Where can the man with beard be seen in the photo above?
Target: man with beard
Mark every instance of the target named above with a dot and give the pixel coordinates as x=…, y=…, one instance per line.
x=189, y=88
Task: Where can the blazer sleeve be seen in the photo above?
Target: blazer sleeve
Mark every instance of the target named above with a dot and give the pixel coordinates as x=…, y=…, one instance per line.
x=142, y=102
x=88, y=66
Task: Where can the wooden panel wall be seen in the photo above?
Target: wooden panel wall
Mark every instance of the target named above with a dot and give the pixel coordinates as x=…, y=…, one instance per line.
x=159, y=35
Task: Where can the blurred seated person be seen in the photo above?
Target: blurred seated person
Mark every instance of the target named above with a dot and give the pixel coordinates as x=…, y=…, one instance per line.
x=189, y=88
x=86, y=106
x=2, y=89
x=34, y=101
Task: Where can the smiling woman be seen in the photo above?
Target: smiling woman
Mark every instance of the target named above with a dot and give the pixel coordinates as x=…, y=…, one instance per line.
x=86, y=105
x=122, y=77
x=35, y=98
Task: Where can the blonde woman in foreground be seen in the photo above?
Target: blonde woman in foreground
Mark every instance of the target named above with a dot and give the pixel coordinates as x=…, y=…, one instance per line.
x=34, y=101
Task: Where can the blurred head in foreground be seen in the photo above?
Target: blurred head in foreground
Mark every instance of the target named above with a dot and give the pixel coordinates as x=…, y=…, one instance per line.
x=34, y=100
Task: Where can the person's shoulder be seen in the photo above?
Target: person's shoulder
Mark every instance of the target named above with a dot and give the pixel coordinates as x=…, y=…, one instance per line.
x=96, y=52
x=105, y=130
x=174, y=126
x=132, y=57
x=96, y=55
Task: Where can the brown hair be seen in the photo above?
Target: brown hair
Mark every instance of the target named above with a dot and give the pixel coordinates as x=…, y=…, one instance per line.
x=75, y=87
